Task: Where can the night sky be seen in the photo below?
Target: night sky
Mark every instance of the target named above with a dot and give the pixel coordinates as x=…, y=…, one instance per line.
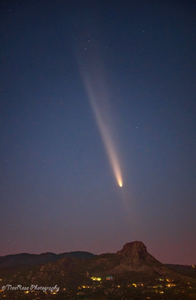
x=85, y=85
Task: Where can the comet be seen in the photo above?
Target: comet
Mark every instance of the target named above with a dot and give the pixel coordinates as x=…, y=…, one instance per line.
x=98, y=96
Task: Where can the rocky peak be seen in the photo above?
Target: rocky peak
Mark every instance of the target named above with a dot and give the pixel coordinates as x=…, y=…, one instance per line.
x=134, y=249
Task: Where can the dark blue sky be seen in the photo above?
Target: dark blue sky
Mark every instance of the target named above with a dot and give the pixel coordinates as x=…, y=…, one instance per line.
x=58, y=191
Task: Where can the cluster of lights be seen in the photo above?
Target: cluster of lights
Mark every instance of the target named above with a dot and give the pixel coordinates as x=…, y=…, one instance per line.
x=96, y=278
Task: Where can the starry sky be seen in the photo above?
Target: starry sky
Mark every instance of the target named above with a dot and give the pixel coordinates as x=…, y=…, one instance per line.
x=82, y=79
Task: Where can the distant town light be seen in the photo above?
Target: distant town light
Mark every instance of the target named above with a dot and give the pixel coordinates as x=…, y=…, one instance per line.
x=109, y=277
x=96, y=278
x=134, y=284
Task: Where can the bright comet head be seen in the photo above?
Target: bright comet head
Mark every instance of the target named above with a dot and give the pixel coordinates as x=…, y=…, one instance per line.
x=120, y=184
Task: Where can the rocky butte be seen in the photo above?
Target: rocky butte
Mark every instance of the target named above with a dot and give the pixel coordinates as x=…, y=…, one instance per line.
x=133, y=258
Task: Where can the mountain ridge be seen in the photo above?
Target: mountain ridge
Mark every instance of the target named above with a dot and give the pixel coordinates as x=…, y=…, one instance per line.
x=13, y=260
